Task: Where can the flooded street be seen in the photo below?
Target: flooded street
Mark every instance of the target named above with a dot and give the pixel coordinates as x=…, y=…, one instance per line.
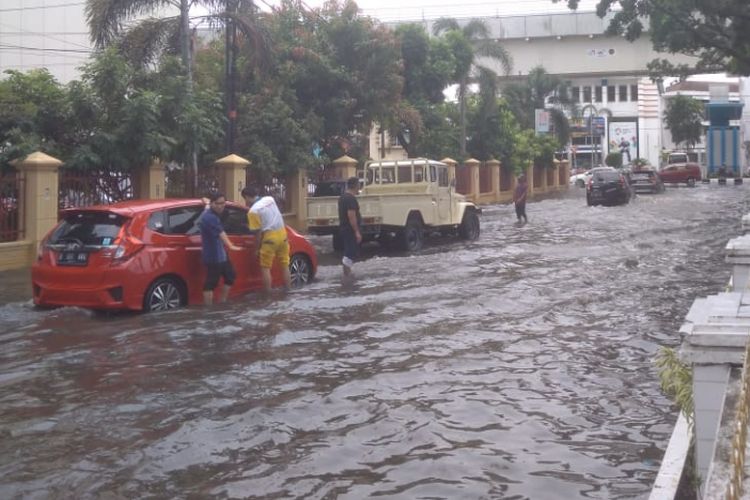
x=517, y=366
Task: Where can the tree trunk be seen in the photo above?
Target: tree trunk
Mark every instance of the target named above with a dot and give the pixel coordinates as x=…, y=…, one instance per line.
x=462, y=117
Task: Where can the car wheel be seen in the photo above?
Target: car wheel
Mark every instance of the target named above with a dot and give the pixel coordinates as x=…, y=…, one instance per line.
x=469, y=228
x=580, y=183
x=338, y=245
x=300, y=270
x=691, y=182
x=413, y=235
x=164, y=294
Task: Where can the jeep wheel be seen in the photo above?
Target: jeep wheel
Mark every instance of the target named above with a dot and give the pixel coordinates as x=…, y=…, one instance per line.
x=469, y=228
x=412, y=236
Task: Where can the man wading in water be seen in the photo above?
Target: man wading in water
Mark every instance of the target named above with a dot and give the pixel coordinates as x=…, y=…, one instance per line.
x=349, y=222
x=519, y=198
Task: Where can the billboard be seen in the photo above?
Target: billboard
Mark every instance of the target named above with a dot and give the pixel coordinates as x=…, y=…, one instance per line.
x=623, y=138
x=541, y=121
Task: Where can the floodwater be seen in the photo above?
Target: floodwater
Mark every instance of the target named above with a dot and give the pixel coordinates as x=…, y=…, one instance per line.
x=517, y=366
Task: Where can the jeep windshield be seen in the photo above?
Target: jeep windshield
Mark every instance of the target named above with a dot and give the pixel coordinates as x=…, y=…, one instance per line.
x=329, y=188
x=91, y=228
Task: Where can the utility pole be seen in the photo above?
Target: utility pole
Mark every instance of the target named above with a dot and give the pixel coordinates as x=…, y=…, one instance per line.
x=230, y=96
x=188, y=62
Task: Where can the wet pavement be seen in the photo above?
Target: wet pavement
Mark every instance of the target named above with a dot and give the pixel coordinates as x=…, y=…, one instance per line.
x=517, y=366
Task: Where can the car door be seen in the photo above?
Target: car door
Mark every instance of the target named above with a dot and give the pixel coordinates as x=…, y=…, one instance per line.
x=669, y=173
x=245, y=262
x=178, y=238
x=444, y=196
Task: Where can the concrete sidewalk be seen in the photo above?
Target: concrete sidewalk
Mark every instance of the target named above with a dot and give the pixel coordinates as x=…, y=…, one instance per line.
x=15, y=285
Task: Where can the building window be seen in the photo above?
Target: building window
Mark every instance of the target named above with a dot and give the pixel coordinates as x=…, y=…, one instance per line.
x=598, y=93
x=634, y=92
x=623, y=93
x=586, y=94
x=611, y=93
x=576, y=93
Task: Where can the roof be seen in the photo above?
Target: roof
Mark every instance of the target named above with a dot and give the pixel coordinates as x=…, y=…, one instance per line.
x=129, y=208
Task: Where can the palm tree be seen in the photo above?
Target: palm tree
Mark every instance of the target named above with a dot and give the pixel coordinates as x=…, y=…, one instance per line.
x=145, y=38
x=542, y=91
x=473, y=49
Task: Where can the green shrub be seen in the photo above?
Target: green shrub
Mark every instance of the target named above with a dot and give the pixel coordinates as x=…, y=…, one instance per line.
x=614, y=159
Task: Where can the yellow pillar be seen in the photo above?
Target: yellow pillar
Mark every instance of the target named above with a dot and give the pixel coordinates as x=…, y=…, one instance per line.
x=564, y=174
x=232, y=176
x=494, y=166
x=40, y=200
x=344, y=167
x=473, y=166
x=297, y=198
x=150, y=181
x=530, y=178
x=451, y=168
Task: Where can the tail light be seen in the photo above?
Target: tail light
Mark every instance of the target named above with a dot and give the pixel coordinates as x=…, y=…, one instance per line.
x=591, y=183
x=40, y=249
x=127, y=246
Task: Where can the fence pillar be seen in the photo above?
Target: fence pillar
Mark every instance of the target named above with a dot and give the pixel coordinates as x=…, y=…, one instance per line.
x=232, y=176
x=451, y=168
x=344, y=167
x=473, y=166
x=297, y=199
x=530, y=179
x=150, y=182
x=40, y=195
x=494, y=166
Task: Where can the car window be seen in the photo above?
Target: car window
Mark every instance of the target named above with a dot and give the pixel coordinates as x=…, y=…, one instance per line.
x=235, y=221
x=88, y=228
x=419, y=173
x=184, y=220
x=404, y=173
x=157, y=222
x=443, y=177
x=606, y=175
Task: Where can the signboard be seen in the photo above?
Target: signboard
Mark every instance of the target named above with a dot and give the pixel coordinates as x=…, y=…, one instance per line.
x=541, y=121
x=598, y=126
x=623, y=137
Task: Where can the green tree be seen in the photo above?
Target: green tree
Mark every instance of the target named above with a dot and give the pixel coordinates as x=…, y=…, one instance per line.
x=472, y=47
x=683, y=118
x=714, y=31
x=542, y=91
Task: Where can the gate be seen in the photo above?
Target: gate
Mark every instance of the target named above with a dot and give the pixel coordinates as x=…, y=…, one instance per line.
x=78, y=188
x=11, y=209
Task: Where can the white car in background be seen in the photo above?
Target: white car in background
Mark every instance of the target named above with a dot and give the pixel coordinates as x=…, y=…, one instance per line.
x=581, y=179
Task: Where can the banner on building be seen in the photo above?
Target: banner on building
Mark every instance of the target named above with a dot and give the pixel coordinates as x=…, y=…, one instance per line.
x=541, y=121
x=623, y=138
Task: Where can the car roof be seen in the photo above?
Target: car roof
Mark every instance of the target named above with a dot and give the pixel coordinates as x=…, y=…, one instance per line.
x=130, y=208
x=600, y=169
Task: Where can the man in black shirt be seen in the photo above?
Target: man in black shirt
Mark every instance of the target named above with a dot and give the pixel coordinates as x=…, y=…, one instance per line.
x=349, y=222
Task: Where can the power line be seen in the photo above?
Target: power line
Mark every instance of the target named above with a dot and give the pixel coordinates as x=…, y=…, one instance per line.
x=43, y=7
x=41, y=49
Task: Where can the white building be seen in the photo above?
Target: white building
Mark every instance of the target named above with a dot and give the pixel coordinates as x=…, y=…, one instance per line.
x=48, y=34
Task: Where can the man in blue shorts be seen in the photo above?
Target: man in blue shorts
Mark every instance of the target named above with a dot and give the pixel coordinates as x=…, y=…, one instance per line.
x=349, y=222
x=213, y=241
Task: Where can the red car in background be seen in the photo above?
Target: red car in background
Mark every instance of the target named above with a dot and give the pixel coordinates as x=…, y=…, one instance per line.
x=146, y=255
x=680, y=169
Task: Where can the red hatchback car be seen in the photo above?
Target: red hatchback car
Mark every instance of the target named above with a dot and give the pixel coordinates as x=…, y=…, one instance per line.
x=146, y=255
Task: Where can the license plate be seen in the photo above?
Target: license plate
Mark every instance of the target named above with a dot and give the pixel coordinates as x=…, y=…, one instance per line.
x=73, y=258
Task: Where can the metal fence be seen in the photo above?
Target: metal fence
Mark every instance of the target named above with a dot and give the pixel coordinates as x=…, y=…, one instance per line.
x=506, y=179
x=11, y=209
x=485, y=179
x=181, y=182
x=79, y=188
x=276, y=185
x=463, y=179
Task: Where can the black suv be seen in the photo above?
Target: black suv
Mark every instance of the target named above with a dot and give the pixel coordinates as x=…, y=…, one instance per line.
x=607, y=186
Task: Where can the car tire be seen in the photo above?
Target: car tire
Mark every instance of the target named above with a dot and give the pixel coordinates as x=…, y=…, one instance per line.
x=300, y=270
x=164, y=294
x=412, y=236
x=580, y=183
x=338, y=244
x=469, y=229
x=690, y=182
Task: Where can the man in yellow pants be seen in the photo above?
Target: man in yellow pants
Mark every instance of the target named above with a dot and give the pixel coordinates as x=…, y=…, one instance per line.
x=271, y=242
